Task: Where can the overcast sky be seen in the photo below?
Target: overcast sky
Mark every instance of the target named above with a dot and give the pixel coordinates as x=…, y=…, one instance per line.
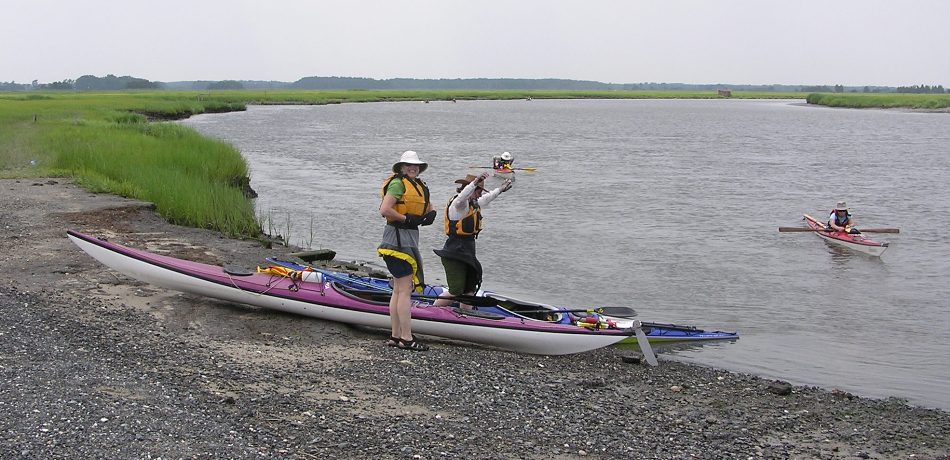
x=849, y=42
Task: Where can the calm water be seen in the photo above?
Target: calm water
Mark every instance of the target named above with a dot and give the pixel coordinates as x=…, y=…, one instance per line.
x=670, y=207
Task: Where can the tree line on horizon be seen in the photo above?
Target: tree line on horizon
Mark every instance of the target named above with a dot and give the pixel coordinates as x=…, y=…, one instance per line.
x=112, y=83
x=922, y=89
x=86, y=83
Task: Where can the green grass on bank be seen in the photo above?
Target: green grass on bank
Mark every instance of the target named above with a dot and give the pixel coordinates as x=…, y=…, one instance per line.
x=107, y=146
x=192, y=180
x=110, y=141
x=881, y=100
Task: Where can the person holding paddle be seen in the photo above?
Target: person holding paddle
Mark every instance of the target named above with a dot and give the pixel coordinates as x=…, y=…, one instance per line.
x=463, y=222
x=505, y=164
x=505, y=161
x=840, y=219
x=405, y=206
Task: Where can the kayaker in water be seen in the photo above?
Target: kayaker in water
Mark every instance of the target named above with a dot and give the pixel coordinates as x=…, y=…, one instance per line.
x=405, y=206
x=840, y=219
x=504, y=161
x=463, y=222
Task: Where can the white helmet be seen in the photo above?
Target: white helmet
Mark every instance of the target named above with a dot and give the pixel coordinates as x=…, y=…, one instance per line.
x=506, y=156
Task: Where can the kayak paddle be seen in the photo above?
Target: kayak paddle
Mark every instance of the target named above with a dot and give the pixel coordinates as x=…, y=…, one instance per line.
x=863, y=230
x=644, y=343
x=475, y=300
x=620, y=312
x=513, y=169
x=488, y=301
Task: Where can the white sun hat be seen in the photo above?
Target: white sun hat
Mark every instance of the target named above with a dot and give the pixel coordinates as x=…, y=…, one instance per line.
x=411, y=158
x=841, y=206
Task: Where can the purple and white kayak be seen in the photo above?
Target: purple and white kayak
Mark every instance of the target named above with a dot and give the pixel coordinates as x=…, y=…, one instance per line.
x=323, y=298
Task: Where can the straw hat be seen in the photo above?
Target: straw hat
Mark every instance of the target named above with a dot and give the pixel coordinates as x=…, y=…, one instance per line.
x=841, y=206
x=468, y=180
x=410, y=158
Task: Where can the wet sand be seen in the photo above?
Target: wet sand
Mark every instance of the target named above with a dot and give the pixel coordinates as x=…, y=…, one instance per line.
x=94, y=364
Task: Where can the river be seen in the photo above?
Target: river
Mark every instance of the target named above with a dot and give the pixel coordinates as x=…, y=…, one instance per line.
x=668, y=206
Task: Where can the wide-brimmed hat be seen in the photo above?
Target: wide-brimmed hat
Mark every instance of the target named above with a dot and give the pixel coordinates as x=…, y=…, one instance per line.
x=410, y=158
x=841, y=206
x=468, y=180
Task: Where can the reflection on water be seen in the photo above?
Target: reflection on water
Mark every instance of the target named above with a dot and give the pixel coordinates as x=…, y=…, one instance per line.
x=670, y=207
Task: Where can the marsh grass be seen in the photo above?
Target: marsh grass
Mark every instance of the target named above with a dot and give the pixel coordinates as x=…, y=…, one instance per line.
x=105, y=142
x=269, y=226
x=881, y=100
x=17, y=151
x=311, y=234
x=189, y=178
x=288, y=226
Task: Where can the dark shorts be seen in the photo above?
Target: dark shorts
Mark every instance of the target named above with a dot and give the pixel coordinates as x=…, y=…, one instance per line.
x=460, y=276
x=397, y=267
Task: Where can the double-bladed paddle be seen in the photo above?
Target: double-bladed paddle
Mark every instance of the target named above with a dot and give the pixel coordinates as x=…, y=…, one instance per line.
x=488, y=301
x=475, y=300
x=381, y=292
x=620, y=312
x=513, y=169
x=863, y=230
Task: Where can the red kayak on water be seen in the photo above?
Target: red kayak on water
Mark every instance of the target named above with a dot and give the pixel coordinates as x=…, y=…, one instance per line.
x=854, y=241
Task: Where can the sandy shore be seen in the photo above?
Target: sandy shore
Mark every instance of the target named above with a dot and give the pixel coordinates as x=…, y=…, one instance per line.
x=96, y=365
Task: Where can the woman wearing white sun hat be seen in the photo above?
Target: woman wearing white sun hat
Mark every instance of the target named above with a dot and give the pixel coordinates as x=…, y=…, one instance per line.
x=405, y=206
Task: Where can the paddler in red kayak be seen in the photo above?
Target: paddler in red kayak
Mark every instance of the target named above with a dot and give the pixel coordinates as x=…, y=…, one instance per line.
x=840, y=219
x=503, y=162
x=463, y=222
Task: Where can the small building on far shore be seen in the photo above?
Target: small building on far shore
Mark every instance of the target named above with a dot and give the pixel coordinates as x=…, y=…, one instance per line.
x=725, y=93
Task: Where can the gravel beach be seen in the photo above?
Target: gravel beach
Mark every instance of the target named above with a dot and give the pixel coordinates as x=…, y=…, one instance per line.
x=94, y=364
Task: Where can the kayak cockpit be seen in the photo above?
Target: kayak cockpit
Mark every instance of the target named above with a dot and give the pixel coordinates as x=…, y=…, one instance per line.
x=528, y=310
x=363, y=295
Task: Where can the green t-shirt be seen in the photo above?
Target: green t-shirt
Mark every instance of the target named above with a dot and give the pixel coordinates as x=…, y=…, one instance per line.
x=396, y=188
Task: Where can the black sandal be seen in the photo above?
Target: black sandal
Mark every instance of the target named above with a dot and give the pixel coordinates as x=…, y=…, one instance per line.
x=394, y=341
x=413, y=345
